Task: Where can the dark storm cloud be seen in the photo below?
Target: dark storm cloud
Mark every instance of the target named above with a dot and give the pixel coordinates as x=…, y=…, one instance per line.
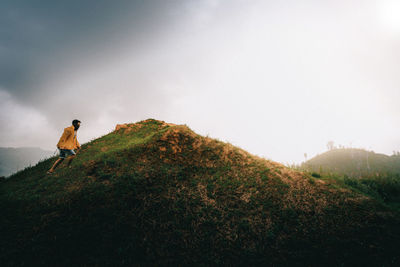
x=91, y=60
x=37, y=35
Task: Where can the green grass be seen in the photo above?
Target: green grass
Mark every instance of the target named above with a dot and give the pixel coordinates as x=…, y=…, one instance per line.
x=382, y=188
x=163, y=195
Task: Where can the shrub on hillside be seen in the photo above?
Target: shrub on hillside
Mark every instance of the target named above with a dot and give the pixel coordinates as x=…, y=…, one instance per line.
x=385, y=187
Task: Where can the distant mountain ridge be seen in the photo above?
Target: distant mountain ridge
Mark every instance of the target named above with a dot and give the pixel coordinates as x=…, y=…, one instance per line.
x=354, y=162
x=13, y=159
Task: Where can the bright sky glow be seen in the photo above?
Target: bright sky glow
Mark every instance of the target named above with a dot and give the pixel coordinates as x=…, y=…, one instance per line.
x=390, y=15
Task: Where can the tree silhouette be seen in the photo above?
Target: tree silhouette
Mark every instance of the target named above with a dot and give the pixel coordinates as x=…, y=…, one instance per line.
x=330, y=145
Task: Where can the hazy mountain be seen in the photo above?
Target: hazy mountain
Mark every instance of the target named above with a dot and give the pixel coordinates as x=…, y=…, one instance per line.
x=158, y=194
x=15, y=159
x=354, y=162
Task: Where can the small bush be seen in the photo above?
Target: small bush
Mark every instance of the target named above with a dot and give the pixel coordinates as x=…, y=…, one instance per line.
x=316, y=175
x=386, y=188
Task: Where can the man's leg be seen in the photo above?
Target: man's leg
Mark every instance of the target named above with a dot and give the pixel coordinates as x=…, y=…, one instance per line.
x=55, y=165
x=70, y=160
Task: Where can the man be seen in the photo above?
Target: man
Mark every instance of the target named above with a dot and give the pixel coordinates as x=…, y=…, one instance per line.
x=68, y=142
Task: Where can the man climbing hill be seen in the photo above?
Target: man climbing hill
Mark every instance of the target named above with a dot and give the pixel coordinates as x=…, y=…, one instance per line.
x=67, y=143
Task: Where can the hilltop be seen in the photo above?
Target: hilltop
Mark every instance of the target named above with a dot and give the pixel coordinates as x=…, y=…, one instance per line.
x=354, y=162
x=153, y=193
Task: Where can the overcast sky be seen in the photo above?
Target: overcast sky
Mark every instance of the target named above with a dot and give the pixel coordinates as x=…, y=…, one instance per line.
x=276, y=78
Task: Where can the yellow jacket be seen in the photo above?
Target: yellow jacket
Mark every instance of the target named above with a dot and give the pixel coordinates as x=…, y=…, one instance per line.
x=68, y=139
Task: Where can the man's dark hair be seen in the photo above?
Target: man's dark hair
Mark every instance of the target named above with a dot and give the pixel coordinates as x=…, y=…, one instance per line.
x=75, y=122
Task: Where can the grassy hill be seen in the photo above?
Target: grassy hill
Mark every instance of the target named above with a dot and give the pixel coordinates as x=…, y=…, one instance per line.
x=153, y=193
x=354, y=163
x=376, y=175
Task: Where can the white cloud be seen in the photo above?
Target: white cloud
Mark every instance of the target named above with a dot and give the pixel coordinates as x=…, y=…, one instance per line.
x=389, y=15
x=23, y=126
x=277, y=79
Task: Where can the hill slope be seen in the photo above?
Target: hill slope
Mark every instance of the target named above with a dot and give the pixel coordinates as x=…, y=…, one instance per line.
x=354, y=162
x=15, y=159
x=159, y=194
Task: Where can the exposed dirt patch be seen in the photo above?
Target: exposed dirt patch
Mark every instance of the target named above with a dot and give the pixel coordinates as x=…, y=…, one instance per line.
x=121, y=126
x=134, y=127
